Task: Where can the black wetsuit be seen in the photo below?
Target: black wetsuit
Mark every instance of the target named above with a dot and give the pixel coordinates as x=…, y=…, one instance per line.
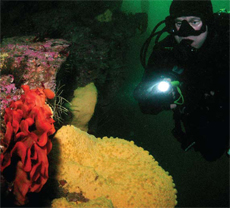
x=204, y=78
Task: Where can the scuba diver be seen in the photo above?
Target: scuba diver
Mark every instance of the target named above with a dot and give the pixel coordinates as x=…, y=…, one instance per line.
x=188, y=72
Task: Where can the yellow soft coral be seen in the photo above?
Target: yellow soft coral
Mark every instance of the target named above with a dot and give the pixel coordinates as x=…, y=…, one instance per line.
x=83, y=105
x=114, y=168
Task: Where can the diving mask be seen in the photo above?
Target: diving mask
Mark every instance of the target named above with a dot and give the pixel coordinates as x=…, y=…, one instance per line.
x=185, y=29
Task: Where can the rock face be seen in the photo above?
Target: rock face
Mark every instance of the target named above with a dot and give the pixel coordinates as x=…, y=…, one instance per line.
x=110, y=167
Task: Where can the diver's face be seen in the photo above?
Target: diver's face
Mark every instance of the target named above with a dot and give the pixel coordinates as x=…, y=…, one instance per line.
x=196, y=23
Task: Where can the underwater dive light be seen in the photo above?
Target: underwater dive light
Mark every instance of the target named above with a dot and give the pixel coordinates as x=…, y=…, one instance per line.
x=165, y=88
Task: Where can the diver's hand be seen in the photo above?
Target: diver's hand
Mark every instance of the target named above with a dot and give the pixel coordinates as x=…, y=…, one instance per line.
x=173, y=106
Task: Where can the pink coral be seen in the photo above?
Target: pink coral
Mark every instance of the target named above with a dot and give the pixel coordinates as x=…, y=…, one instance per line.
x=28, y=124
x=43, y=59
x=8, y=92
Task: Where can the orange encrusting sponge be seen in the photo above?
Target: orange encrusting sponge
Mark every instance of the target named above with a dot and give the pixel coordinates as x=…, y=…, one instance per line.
x=113, y=168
